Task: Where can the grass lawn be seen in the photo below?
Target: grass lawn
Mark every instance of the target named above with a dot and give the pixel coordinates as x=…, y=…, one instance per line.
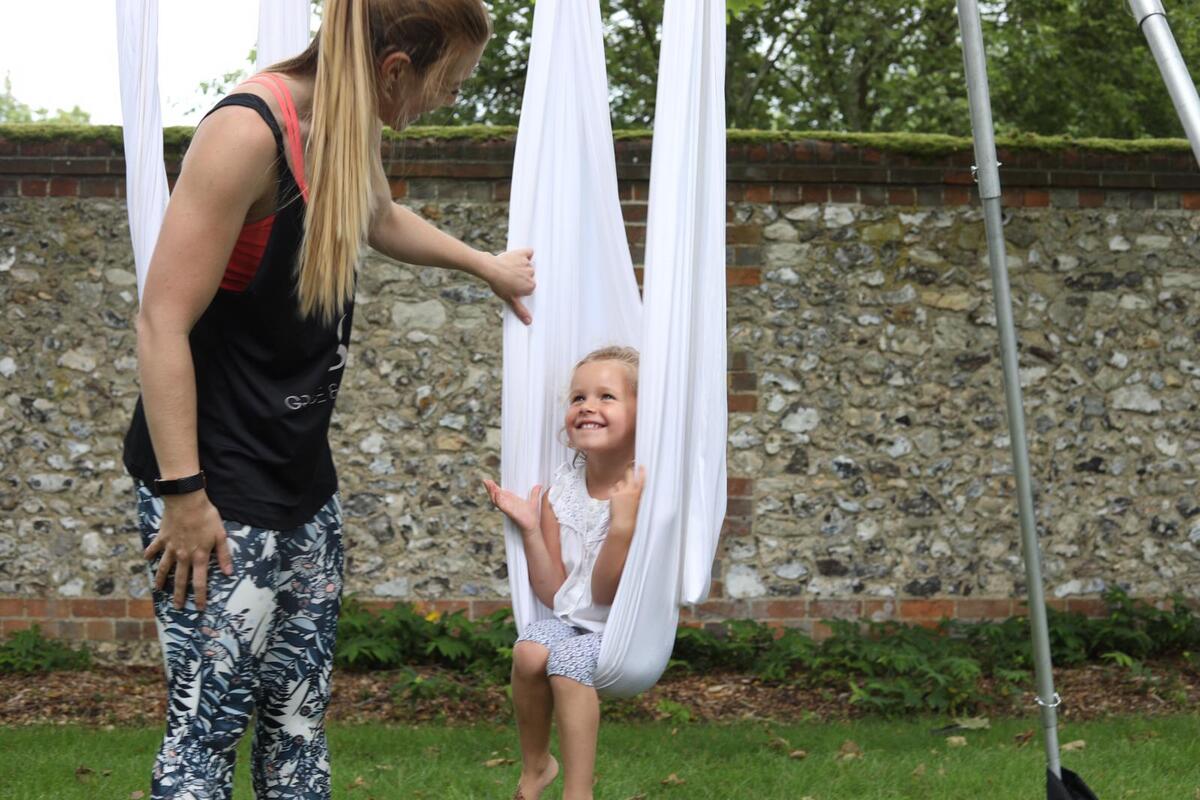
x=1130, y=757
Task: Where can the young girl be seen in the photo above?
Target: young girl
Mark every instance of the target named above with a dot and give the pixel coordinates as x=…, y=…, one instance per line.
x=242, y=340
x=576, y=540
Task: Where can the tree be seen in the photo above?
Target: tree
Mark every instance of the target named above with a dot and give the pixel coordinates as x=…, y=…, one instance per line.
x=13, y=110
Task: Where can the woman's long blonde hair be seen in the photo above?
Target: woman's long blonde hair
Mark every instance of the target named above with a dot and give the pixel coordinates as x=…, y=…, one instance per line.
x=355, y=36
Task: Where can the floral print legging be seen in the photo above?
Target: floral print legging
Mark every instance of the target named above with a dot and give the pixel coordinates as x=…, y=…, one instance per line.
x=262, y=646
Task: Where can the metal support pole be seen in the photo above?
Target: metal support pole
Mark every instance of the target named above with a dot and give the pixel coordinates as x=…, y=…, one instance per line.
x=988, y=176
x=1152, y=19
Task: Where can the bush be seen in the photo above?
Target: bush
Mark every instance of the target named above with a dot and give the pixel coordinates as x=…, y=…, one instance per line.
x=29, y=651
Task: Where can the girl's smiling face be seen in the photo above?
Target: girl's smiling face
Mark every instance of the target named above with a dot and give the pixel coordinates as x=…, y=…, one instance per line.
x=602, y=413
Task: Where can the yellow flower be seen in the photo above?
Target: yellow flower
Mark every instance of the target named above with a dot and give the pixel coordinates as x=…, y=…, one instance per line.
x=433, y=616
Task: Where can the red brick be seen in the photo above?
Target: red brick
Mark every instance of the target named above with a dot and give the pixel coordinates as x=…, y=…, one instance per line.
x=717, y=609
x=98, y=630
x=743, y=276
x=64, y=187
x=8, y=147
x=843, y=194
x=149, y=630
x=128, y=630
x=815, y=194
x=634, y=212
x=483, y=608
x=98, y=187
x=783, y=609
x=902, y=197
x=739, y=507
x=140, y=609
x=42, y=608
x=1190, y=200
x=1037, y=198
x=758, y=152
x=956, y=196
x=835, y=609
x=984, y=608
x=745, y=403
x=10, y=187
x=8, y=626
x=786, y=193
x=1088, y=606
x=34, y=187
x=48, y=148
x=635, y=233
x=12, y=607
x=98, y=607
x=743, y=234
x=66, y=629
x=820, y=631
x=1091, y=198
x=757, y=194
x=738, y=487
x=743, y=381
x=736, y=528
x=926, y=609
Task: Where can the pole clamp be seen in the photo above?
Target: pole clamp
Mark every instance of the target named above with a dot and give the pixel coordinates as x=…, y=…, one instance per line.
x=975, y=171
x=1055, y=703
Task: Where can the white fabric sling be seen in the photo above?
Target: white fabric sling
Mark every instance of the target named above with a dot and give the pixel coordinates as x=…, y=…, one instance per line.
x=564, y=204
x=282, y=32
x=145, y=174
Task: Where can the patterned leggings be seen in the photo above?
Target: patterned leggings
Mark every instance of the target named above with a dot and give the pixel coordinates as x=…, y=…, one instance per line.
x=264, y=645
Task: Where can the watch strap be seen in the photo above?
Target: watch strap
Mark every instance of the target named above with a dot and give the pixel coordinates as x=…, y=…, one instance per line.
x=192, y=483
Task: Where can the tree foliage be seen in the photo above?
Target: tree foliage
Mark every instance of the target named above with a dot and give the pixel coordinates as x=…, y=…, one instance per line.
x=13, y=110
x=1076, y=67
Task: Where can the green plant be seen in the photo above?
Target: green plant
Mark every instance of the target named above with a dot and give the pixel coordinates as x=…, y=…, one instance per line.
x=29, y=651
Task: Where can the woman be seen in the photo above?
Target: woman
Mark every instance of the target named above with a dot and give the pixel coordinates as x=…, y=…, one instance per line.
x=242, y=340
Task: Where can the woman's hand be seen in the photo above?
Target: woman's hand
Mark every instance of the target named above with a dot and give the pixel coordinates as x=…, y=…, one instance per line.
x=510, y=275
x=190, y=531
x=525, y=514
x=625, y=499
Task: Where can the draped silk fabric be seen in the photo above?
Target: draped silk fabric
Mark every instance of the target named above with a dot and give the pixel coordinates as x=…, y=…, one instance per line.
x=564, y=204
x=282, y=32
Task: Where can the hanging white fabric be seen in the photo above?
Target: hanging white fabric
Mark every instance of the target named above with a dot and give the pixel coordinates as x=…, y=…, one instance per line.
x=145, y=175
x=282, y=31
x=564, y=204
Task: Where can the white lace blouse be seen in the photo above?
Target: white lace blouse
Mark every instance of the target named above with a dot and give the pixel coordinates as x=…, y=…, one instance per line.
x=583, y=523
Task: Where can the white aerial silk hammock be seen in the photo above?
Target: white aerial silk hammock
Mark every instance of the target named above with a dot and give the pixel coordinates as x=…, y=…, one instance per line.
x=282, y=32
x=564, y=204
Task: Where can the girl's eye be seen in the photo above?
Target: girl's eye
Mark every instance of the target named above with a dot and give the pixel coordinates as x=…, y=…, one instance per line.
x=607, y=396
x=577, y=398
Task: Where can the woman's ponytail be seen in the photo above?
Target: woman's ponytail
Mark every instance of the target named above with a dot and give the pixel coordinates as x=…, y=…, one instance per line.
x=338, y=162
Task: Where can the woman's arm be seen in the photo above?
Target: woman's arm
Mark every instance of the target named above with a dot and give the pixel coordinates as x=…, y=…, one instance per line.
x=401, y=234
x=626, y=498
x=227, y=167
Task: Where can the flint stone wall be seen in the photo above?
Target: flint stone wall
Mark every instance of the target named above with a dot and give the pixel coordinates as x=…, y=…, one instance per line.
x=868, y=448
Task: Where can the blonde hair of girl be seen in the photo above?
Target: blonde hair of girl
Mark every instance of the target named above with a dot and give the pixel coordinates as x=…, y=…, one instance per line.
x=355, y=36
x=624, y=355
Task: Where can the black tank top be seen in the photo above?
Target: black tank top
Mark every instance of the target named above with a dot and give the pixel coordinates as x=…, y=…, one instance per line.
x=266, y=381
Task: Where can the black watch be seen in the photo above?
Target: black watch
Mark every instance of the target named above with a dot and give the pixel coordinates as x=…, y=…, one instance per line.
x=192, y=483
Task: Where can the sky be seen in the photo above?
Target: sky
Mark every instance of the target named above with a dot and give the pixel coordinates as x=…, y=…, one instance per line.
x=63, y=53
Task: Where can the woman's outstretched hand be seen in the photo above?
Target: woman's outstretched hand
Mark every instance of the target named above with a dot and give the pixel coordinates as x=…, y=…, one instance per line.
x=625, y=499
x=525, y=514
x=511, y=277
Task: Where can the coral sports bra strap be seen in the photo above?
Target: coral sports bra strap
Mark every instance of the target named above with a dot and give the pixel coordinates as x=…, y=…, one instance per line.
x=291, y=123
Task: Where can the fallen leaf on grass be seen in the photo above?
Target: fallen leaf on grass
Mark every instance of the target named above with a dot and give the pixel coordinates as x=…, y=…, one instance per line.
x=498, y=762
x=358, y=783
x=1071, y=747
x=849, y=750
x=138, y=795
x=638, y=796
x=799, y=755
x=973, y=723
x=919, y=771
x=956, y=741
x=673, y=780
x=83, y=773
x=1023, y=737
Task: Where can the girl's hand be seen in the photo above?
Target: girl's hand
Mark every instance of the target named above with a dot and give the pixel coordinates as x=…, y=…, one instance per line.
x=625, y=499
x=525, y=514
x=511, y=277
x=190, y=531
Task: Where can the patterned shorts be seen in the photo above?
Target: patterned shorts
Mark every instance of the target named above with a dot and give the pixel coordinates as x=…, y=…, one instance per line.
x=574, y=652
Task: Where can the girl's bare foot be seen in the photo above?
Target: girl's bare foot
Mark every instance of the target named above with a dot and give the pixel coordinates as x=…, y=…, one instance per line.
x=531, y=787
